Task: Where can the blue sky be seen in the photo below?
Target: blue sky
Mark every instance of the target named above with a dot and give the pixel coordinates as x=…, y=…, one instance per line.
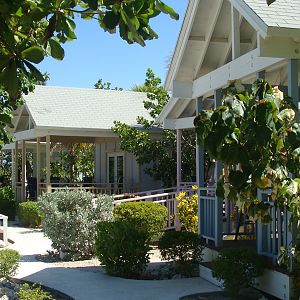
x=97, y=54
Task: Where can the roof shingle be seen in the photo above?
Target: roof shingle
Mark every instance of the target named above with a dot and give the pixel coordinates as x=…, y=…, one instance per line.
x=282, y=13
x=84, y=108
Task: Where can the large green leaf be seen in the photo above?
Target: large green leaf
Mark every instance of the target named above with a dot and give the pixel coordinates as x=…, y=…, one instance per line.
x=5, y=118
x=56, y=50
x=93, y=4
x=167, y=10
x=34, y=71
x=34, y=54
x=9, y=78
x=111, y=19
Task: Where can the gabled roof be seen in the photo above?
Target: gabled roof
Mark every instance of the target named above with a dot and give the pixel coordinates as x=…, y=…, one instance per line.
x=71, y=108
x=204, y=43
x=265, y=36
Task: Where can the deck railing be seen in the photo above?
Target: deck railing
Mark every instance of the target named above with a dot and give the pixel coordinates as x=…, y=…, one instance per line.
x=95, y=188
x=4, y=226
x=207, y=203
x=166, y=197
x=276, y=234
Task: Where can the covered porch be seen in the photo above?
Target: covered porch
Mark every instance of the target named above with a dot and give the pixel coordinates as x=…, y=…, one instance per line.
x=32, y=159
x=53, y=117
x=223, y=41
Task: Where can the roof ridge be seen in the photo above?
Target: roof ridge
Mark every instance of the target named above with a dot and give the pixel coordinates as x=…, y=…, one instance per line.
x=87, y=89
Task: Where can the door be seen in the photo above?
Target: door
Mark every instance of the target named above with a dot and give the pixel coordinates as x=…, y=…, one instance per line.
x=115, y=162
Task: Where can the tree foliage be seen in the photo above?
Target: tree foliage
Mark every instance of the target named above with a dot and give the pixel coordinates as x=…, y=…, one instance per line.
x=30, y=30
x=255, y=134
x=75, y=160
x=157, y=151
x=101, y=85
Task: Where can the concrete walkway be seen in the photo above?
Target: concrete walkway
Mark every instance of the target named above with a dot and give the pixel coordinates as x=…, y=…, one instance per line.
x=86, y=283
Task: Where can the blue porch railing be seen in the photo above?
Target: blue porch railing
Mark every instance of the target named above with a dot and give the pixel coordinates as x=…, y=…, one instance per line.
x=276, y=234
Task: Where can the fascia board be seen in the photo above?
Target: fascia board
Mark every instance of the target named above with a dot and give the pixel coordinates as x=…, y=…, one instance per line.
x=166, y=110
x=181, y=42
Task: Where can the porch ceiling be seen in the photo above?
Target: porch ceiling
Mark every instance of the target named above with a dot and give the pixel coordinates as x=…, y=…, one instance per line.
x=203, y=55
x=204, y=43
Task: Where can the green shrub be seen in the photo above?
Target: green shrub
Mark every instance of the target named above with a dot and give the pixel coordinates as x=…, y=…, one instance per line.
x=29, y=214
x=237, y=267
x=70, y=219
x=33, y=292
x=9, y=262
x=184, y=248
x=8, y=205
x=123, y=248
x=148, y=215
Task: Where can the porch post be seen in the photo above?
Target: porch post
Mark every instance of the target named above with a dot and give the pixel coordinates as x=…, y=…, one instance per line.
x=293, y=90
x=48, y=167
x=178, y=156
x=13, y=169
x=38, y=165
x=261, y=74
x=23, y=194
x=97, y=160
x=200, y=173
x=235, y=33
x=16, y=174
x=219, y=201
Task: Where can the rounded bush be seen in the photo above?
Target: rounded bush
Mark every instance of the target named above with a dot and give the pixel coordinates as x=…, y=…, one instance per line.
x=237, y=267
x=70, y=219
x=8, y=205
x=123, y=248
x=29, y=214
x=9, y=262
x=182, y=247
x=148, y=215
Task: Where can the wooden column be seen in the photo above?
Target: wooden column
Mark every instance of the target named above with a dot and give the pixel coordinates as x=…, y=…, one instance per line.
x=48, y=167
x=97, y=160
x=16, y=174
x=293, y=88
x=178, y=157
x=13, y=169
x=293, y=91
x=219, y=201
x=261, y=74
x=200, y=165
x=235, y=33
x=23, y=189
x=38, y=166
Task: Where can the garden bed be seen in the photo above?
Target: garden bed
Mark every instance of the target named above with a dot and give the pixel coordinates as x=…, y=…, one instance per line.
x=156, y=269
x=11, y=286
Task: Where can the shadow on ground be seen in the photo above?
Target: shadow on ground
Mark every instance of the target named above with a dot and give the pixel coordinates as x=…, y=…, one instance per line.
x=92, y=283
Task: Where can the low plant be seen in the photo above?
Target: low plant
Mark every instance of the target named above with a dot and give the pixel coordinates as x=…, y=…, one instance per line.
x=148, y=215
x=289, y=258
x=187, y=210
x=29, y=214
x=182, y=247
x=34, y=292
x=9, y=262
x=8, y=205
x=237, y=267
x=70, y=219
x=122, y=247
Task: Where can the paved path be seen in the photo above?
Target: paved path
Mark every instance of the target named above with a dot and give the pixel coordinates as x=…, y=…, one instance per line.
x=91, y=283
